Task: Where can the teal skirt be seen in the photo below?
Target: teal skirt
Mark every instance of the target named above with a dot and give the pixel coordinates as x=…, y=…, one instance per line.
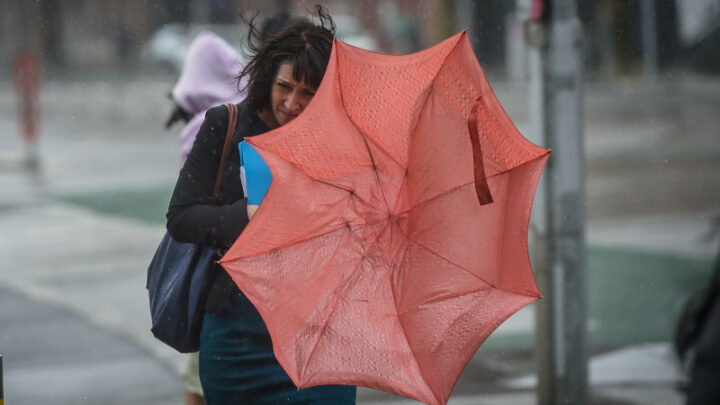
x=237, y=365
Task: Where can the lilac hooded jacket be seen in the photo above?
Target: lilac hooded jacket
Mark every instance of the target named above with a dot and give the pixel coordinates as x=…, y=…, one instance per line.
x=207, y=80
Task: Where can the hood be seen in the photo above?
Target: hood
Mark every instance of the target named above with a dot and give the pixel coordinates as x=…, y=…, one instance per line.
x=208, y=76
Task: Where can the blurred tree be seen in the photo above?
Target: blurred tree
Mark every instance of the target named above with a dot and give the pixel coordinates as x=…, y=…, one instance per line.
x=667, y=23
x=170, y=11
x=221, y=11
x=489, y=34
x=444, y=19
x=79, y=34
x=51, y=14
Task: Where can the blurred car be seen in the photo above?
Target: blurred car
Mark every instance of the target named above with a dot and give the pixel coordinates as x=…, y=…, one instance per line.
x=168, y=46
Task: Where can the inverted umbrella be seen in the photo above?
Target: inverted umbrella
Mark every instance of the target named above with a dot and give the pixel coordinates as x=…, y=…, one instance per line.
x=377, y=257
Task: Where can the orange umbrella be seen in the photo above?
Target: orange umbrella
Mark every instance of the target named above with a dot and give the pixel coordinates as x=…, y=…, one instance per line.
x=371, y=258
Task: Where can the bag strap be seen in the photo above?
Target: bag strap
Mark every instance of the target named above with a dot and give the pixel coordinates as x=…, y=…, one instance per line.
x=232, y=109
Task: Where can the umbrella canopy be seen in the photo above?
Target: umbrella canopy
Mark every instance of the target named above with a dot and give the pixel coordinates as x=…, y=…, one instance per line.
x=371, y=258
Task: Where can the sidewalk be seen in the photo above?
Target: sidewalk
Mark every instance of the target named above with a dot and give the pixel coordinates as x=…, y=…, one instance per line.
x=76, y=238
x=53, y=355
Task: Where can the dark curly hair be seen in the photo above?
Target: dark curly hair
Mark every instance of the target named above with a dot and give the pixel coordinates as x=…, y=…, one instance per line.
x=303, y=43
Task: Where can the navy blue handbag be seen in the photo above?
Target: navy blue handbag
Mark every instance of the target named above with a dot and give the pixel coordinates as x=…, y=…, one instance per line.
x=179, y=278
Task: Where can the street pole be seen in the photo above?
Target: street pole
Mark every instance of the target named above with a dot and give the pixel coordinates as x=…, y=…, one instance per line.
x=559, y=235
x=2, y=395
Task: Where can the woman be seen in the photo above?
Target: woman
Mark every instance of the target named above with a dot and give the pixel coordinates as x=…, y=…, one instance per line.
x=237, y=365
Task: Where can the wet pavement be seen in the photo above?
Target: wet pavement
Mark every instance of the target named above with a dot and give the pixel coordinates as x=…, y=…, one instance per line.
x=54, y=355
x=76, y=237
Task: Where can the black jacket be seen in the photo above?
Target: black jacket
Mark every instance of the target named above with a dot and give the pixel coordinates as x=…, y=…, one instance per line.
x=191, y=216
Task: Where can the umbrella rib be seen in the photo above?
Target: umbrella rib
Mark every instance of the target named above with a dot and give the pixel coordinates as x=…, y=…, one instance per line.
x=334, y=307
x=372, y=159
x=417, y=120
x=451, y=262
x=459, y=266
x=299, y=169
x=435, y=197
x=466, y=270
x=404, y=332
x=472, y=183
x=327, y=320
x=427, y=96
x=365, y=140
x=295, y=241
x=349, y=191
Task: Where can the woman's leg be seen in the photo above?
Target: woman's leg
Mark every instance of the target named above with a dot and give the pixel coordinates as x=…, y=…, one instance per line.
x=191, y=381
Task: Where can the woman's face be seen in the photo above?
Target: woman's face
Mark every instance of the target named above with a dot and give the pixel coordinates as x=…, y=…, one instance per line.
x=288, y=98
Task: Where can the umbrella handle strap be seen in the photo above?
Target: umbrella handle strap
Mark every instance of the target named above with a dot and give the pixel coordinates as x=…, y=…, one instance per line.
x=481, y=184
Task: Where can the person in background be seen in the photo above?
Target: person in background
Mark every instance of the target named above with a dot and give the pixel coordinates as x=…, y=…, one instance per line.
x=207, y=80
x=237, y=364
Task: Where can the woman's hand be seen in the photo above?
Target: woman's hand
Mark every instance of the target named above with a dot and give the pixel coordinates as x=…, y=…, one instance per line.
x=251, y=210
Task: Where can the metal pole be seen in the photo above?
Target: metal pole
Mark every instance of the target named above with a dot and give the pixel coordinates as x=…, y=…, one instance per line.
x=559, y=247
x=535, y=34
x=2, y=395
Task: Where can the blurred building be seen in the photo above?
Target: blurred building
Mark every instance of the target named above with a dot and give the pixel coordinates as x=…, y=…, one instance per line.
x=87, y=35
x=92, y=34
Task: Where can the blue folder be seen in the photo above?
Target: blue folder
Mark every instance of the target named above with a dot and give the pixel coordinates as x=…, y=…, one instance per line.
x=255, y=174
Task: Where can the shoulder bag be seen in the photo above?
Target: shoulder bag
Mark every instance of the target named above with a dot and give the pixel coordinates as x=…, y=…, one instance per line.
x=180, y=275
